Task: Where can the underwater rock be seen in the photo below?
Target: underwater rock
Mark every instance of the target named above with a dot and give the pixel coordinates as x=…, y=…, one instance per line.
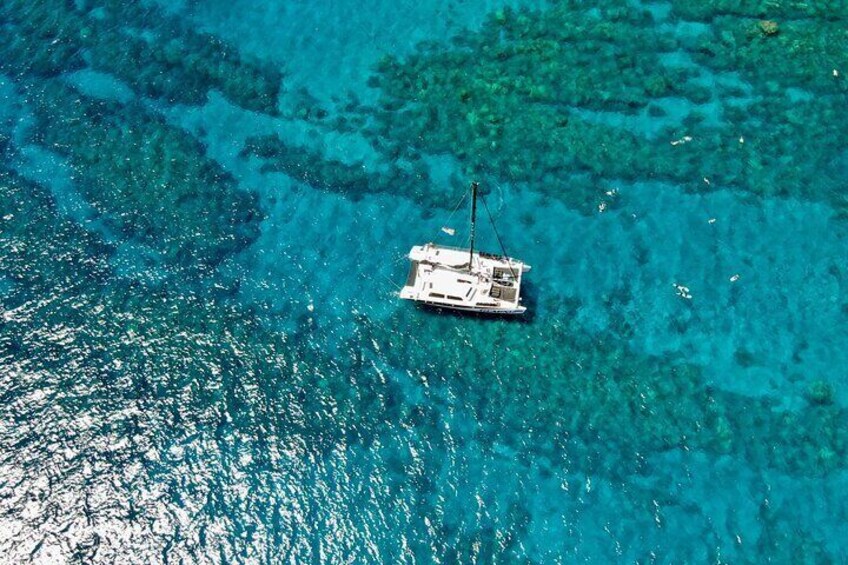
x=820, y=392
x=768, y=27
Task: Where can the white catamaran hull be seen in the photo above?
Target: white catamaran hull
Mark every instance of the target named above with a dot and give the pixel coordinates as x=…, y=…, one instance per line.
x=442, y=277
x=478, y=310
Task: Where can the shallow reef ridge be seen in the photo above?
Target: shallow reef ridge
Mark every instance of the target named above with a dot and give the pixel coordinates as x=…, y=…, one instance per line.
x=538, y=97
x=625, y=401
x=151, y=180
x=353, y=180
x=147, y=179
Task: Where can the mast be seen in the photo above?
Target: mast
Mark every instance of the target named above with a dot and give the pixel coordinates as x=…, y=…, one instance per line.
x=473, y=222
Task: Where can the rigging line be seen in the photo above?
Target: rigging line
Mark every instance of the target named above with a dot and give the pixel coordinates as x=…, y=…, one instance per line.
x=393, y=283
x=455, y=208
x=498, y=236
x=386, y=277
x=399, y=259
x=501, y=194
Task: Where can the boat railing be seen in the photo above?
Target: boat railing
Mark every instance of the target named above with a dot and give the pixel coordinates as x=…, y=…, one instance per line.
x=481, y=253
x=452, y=248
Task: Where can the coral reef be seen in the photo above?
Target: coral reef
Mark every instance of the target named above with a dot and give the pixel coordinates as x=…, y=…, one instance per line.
x=525, y=98
x=768, y=27
x=803, y=55
x=478, y=101
x=143, y=385
x=200, y=385
x=132, y=373
x=783, y=9
x=163, y=336
x=173, y=367
x=820, y=392
x=169, y=61
x=151, y=180
x=592, y=391
x=32, y=235
x=311, y=167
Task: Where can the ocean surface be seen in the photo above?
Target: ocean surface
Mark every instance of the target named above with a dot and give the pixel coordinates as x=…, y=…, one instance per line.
x=205, y=209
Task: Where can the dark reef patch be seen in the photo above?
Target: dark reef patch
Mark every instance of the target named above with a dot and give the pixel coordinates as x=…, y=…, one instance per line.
x=592, y=389
x=515, y=99
x=785, y=9
x=407, y=177
x=168, y=60
x=151, y=180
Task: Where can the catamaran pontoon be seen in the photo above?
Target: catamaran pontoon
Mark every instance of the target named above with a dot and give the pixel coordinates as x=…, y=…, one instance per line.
x=464, y=279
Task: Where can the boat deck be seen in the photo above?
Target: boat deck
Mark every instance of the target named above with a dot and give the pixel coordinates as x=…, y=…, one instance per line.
x=440, y=276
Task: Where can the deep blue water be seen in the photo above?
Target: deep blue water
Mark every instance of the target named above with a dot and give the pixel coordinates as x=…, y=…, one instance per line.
x=205, y=213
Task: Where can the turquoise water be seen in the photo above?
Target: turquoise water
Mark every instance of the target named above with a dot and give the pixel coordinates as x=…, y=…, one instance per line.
x=205, y=213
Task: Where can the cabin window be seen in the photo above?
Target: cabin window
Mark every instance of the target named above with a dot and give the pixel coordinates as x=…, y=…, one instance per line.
x=437, y=295
x=454, y=297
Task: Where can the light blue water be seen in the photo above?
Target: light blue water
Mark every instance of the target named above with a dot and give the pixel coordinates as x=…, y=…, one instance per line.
x=202, y=357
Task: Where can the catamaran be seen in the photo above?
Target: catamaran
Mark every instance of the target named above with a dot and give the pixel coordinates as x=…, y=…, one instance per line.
x=465, y=279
